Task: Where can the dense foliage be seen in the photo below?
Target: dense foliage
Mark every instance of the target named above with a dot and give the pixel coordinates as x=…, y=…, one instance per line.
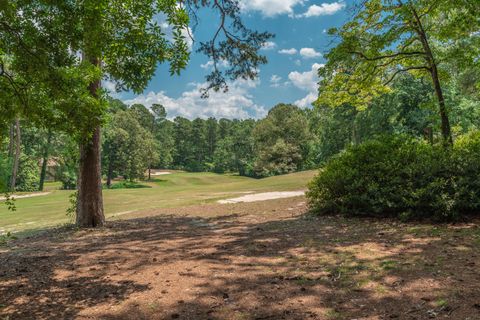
x=138, y=138
x=387, y=38
x=398, y=176
x=408, y=72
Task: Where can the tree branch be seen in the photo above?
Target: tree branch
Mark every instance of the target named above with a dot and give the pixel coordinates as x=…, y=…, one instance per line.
x=393, y=55
x=405, y=70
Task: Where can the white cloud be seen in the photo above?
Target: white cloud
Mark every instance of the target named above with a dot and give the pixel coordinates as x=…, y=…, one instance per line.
x=270, y=8
x=209, y=64
x=236, y=103
x=307, y=101
x=269, y=45
x=306, y=81
x=109, y=85
x=324, y=9
x=186, y=33
x=275, y=81
x=309, y=53
x=291, y=51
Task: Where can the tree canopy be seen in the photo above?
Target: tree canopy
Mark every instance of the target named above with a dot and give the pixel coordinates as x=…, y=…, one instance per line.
x=388, y=37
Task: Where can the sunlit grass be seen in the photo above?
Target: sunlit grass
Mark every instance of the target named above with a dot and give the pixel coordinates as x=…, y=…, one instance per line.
x=167, y=191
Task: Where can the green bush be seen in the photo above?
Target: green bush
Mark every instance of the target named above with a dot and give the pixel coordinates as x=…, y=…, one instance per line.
x=28, y=176
x=68, y=177
x=401, y=177
x=5, y=169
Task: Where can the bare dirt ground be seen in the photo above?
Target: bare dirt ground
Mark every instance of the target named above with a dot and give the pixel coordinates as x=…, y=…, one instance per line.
x=261, y=260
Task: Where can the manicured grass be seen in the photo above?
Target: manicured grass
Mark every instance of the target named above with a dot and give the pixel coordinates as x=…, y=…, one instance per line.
x=167, y=191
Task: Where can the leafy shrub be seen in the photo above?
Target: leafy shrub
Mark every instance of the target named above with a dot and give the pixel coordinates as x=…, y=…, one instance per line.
x=28, y=176
x=72, y=208
x=5, y=169
x=401, y=177
x=68, y=177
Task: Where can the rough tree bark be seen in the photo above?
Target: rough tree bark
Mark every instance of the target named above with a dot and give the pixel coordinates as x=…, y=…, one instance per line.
x=46, y=152
x=16, y=159
x=89, y=186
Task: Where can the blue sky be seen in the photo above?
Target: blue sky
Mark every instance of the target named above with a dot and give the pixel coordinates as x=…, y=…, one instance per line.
x=294, y=55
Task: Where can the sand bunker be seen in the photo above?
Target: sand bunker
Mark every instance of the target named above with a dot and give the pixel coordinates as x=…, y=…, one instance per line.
x=263, y=196
x=162, y=173
x=38, y=194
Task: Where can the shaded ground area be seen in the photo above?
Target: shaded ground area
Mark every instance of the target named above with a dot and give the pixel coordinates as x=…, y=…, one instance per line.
x=264, y=260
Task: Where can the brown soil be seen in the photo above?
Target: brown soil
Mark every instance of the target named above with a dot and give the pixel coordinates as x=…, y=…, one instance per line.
x=264, y=260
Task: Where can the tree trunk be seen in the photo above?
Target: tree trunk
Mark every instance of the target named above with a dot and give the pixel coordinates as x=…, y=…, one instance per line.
x=89, y=187
x=46, y=152
x=355, y=139
x=446, y=130
x=90, y=198
x=11, y=142
x=110, y=170
x=428, y=132
x=16, y=159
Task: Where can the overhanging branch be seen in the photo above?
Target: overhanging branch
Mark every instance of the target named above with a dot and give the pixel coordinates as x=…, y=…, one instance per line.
x=405, y=70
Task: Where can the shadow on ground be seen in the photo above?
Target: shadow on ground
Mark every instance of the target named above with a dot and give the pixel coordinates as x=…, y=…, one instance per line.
x=261, y=261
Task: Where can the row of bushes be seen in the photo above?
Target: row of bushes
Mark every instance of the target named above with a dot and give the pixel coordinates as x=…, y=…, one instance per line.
x=399, y=176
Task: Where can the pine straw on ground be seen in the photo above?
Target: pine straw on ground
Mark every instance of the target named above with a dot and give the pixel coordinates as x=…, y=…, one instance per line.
x=264, y=260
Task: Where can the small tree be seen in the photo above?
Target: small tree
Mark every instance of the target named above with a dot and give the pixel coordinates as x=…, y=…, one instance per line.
x=281, y=140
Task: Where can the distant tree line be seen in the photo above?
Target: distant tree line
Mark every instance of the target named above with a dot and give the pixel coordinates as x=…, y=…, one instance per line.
x=138, y=138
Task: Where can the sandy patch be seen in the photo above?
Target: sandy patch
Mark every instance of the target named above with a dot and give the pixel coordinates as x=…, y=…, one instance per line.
x=37, y=194
x=263, y=196
x=160, y=173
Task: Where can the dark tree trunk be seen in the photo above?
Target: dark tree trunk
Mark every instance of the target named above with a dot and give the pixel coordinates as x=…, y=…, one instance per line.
x=90, y=198
x=428, y=132
x=110, y=170
x=432, y=64
x=46, y=152
x=446, y=131
x=16, y=159
x=11, y=142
